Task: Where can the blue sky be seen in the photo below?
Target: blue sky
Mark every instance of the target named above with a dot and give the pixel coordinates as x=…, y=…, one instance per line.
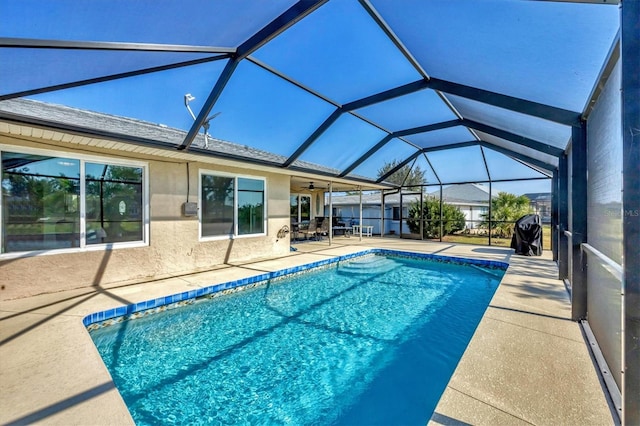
x=519, y=48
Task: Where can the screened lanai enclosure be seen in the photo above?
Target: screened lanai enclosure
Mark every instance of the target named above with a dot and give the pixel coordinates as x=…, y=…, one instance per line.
x=349, y=93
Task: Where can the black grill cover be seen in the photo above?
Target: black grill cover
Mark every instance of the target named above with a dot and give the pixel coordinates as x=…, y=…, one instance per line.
x=527, y=236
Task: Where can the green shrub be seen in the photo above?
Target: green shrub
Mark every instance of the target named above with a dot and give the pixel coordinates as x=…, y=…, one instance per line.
x=453, y=219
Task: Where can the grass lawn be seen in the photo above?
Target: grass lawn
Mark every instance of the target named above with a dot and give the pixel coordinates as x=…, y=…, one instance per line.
x=500, y=242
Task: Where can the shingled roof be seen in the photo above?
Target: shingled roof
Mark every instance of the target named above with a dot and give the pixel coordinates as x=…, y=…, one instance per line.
x=469, y=193
x=118, y=128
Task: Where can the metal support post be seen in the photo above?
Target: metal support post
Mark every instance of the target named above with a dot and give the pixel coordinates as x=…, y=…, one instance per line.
x=330, y=213
x=554, y=216
x=382, y=224
x=421, y=218
x=422, y=213
x=630, y=46
x=563, y=217
x=360, y=220
x=490, y=199
x=441, y=224
x=578, y=221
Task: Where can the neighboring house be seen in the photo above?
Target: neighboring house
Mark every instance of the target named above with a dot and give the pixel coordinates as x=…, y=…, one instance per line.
x=540, y=203
x=472, y=200
x=346, y=208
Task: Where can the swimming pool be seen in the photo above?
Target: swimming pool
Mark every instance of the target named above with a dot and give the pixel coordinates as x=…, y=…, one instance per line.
x=367, y=340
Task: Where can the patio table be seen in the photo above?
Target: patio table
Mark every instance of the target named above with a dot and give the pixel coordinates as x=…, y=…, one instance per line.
x=367, y=230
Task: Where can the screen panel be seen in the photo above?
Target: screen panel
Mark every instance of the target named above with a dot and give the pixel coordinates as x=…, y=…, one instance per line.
x=422, y=166
x=604, y=225
x=503, y=167
x=535, y=128
x=343, y=143
x=263, y=111
x=523, y=187
x=441, y=137
x=459, y=165
x=224, y=23
x=393, y=153
x=465, y=209
x=409, y=111
x=28, y=69
x=604, y=306
x=604, y=165
x=156, y=98
x=509, y=43
x=340, y=52
x=520, y=149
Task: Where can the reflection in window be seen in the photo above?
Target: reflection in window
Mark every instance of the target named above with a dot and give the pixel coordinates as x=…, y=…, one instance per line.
x=293, y=199
x=305, y=208
x=217, y=205
x=113, y=203
x=42, y=198
x=40, y=202
x=227, y=201
x=250, y=206
x=300, y=208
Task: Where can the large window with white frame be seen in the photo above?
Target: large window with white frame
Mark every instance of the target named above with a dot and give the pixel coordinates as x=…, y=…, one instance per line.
x=231, y=205
x=55, y=202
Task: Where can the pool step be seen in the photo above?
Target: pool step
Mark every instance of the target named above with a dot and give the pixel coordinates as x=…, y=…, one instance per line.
x=369, y=265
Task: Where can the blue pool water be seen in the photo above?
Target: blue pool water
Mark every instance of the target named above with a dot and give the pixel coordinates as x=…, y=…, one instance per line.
x=371, y=341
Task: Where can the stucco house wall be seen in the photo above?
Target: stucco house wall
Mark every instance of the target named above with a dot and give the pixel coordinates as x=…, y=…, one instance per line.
x=173, y=246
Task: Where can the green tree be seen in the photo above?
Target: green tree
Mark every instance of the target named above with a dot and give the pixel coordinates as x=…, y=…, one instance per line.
x=506, y=208
x=453, y=219
x=405, y=175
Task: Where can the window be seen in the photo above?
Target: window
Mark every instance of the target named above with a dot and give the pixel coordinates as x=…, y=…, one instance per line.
x=250, y=206
x=305, y=208
x=43, y=197
x=217, y=194
x=300, y=208
x=396, y=213
x=231, y=206
x=113, y=203
x=293, y=203
x=40, y=209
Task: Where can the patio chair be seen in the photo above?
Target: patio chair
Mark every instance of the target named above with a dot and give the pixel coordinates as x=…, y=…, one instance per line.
x=323, y=229
x=310, y=231
x=295, y=231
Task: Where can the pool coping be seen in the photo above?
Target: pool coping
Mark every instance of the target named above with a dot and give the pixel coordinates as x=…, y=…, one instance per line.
x=110, y=316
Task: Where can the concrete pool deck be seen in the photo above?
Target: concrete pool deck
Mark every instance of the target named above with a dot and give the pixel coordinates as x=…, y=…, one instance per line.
x=527, y=363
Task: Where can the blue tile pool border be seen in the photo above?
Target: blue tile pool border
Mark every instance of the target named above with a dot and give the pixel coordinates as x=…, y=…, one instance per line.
x=114, y=315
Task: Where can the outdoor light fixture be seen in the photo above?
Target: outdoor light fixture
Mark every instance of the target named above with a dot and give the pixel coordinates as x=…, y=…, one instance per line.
x=311, y=187
x=188, y=98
